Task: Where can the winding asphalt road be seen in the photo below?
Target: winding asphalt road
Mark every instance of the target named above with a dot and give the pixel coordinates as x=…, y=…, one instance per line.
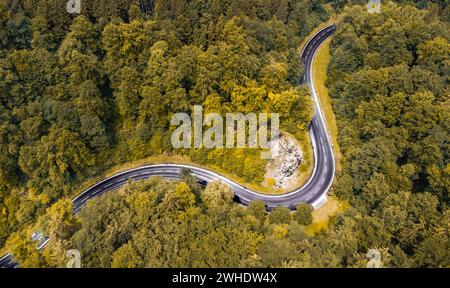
x=313, y=192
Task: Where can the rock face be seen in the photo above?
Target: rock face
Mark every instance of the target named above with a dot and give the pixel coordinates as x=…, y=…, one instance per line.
x=287, y=157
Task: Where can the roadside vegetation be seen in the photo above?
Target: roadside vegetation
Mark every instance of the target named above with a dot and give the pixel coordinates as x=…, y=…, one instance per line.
x=320, y=76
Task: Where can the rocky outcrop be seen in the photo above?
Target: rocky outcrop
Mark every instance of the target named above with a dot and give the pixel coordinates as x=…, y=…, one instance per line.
x=287, y=156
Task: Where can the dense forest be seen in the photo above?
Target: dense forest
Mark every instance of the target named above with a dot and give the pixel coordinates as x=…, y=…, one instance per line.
x=389, y=77
x=80, y=94
x=162, y=223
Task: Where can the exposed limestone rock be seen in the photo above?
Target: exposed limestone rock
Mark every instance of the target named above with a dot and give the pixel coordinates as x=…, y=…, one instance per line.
x=287, y=157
